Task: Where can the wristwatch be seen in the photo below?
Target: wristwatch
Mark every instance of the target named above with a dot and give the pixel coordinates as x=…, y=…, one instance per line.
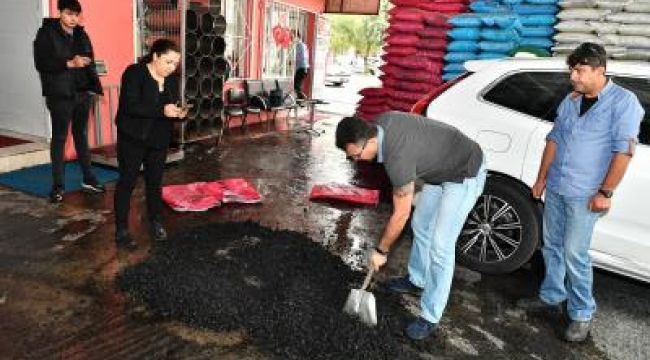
x=606, y=193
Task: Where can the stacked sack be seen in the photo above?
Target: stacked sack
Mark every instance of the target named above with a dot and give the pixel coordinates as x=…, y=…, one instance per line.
x=413, y=55
x=622, y=27
x=497, y=29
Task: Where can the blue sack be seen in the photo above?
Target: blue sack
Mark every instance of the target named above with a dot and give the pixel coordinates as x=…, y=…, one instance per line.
x=500, y=34
x=503, y=21
x=472, y=33
x=537, y=20
x=462, y=46
x=539, y=42
x=511, y=2
x=537, y=31
x=451, y=75
x=497, y=46
x=542, y=2
x=491, y=55
x=454, y=67
x=489, y=7
x=533, y=9
x=459, y=56
x=465, y=21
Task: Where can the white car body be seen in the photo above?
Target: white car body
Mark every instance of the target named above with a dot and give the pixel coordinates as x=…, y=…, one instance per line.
x=514, y=141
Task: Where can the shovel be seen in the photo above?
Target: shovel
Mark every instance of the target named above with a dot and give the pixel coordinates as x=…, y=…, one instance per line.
x=361, y=303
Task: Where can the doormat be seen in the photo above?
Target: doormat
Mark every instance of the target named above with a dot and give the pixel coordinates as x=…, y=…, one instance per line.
x=37, y=180
x=284, y=291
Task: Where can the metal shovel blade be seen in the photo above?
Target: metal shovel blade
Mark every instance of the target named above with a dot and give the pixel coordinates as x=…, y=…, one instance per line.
x=361, y=303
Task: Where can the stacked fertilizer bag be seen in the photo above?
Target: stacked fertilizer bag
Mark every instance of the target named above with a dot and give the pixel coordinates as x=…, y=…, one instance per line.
x=621, y=26
x=415, y=46
x=497, y=29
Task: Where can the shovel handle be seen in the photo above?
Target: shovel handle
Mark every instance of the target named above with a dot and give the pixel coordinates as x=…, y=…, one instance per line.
x=366, y=282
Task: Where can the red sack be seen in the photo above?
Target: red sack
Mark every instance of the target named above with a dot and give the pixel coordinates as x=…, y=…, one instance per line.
x=400, y=50
x=405, y=3
x=431, y=54
x=432, y=44
x=374, y=92
x=371, y=100
x=410, y=27
x=437, y=20
x=192, y=197
x=401, y=105
x=406, y=96
x=239, y=191
x=433, y=32
x=418, y=76
x=373, y=108
x=404, y=14
x=452, y=8
x=402, y=40
x=410, y=62
x=347, y=193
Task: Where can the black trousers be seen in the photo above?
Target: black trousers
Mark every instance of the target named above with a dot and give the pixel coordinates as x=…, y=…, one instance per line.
x=62, y=111
x=298, y=79
x=131, y=155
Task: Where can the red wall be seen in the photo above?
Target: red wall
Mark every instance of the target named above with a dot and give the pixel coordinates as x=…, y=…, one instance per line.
x=110, y=27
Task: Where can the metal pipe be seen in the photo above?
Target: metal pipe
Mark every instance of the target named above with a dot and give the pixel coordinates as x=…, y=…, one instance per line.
x=191, y=67
x=205, y=44
x=218, y=46
x=192, y=21
x=217, y=85
x=217, y=105
x=205, y=108
x=219, y=25
x=191, y=42
x=220, y=66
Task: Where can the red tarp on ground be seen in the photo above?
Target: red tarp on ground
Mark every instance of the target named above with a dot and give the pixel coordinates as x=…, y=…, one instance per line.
x=347, y=193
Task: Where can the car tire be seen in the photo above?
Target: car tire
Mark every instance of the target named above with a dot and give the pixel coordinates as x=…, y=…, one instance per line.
x=505, y=237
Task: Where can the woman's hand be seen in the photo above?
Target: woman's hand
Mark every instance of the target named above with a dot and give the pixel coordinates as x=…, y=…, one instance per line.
x=172, y=111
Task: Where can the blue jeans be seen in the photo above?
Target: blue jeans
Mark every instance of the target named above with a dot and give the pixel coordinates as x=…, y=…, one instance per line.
x=568, y=226
x=437, y=221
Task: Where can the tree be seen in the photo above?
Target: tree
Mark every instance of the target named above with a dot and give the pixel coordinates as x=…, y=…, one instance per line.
x=362, y=33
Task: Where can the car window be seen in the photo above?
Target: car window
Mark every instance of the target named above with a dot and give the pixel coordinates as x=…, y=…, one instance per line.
x=640, y=87
x=536, y=94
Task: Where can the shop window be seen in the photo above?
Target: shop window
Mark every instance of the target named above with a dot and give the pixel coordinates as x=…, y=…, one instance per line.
x=640, y=87
x=536, y=94
x=279, y=56
x=237, y=37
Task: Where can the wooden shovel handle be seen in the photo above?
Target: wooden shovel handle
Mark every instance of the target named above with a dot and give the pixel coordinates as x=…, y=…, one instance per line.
x=366, y=282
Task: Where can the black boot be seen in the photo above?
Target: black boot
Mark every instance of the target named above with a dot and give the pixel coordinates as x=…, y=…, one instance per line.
x=123, y=240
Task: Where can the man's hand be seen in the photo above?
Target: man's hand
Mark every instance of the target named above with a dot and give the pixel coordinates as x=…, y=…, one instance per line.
x=599, y=203
x=78, y=62
x=376, y=260
x=172, y=111
x=538, y=189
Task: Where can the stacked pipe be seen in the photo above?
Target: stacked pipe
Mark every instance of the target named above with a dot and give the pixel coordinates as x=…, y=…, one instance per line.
x=204, y=70
x=413, y=55
x=622, y=27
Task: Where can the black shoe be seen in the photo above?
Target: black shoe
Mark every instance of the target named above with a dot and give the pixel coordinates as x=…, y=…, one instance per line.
x=158, y=232
x=93, y=187
x=123, y=240
x=577, y=331
x=56, y=195
x=420, y=329
x=403, y=285
x=538, y=305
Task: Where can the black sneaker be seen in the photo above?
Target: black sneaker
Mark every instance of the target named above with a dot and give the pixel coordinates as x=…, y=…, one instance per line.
x=158, y=232
x=56, y=195
x=93, y=187
x=123, y=240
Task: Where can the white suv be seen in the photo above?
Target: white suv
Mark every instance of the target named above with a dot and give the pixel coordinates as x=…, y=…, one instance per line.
x=508, y=106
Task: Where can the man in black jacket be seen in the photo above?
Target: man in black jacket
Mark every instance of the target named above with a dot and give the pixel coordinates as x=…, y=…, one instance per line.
x=63, y=56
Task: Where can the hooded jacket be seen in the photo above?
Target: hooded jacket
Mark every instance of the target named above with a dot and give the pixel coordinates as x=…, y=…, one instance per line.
x=52, y=49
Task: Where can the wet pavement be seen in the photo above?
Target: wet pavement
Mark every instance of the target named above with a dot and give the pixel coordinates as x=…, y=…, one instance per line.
x=58, y=265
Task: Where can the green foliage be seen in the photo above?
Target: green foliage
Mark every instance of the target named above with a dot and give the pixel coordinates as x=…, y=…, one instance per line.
x=361, y=33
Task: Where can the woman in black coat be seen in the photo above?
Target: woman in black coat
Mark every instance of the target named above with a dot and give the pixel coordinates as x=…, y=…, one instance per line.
x=148, y=97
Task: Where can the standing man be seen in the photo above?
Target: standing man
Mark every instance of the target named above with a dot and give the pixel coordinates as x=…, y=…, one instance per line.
x=302, y=65
x=451, y=165
x=63, y=56
x=585, y=158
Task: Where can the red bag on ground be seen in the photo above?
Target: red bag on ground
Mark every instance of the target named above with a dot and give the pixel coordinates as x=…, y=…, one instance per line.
x=196, y=196
x=347, y=193
x=239, y=191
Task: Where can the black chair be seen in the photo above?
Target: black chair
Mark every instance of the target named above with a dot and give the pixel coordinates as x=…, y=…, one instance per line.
x=237, y=106
x=275, y=97
x=289, y=100
x=256, y=95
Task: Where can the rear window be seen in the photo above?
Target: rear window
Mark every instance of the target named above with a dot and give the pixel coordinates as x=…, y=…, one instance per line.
x=536, y=94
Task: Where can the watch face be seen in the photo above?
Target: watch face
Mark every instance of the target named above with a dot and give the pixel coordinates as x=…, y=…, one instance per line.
x=606, y=193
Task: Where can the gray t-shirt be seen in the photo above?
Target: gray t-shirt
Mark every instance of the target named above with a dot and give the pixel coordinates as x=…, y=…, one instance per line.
x=415, y=147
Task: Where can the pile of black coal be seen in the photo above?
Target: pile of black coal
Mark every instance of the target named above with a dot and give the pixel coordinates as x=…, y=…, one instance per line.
x=279, y=287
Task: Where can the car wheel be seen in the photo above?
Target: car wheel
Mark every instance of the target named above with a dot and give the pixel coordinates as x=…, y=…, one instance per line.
x=502, y=231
